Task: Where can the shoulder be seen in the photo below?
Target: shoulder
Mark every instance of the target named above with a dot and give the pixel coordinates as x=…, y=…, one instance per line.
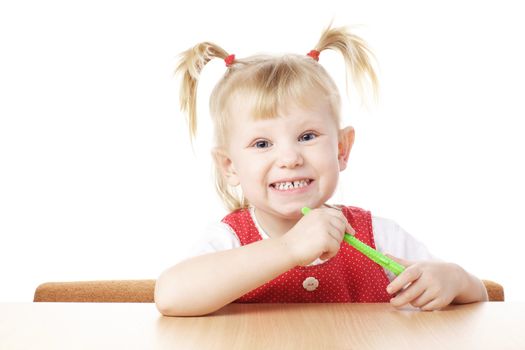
x=355, y=211
x=356, y=214
x=391, y=238
x=237, y=217
x=217, y=237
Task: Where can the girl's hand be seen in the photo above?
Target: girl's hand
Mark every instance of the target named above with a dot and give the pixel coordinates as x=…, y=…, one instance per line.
x=431, y=285
x=317, y=235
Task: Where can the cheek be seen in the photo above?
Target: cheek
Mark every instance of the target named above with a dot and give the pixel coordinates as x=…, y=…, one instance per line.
x=253, y=182
x=326, y=159
x=331, y=174
x=251, y=171
x=327, y=167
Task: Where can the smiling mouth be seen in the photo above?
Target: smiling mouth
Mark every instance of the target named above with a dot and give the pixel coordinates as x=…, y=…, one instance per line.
x=291, y=185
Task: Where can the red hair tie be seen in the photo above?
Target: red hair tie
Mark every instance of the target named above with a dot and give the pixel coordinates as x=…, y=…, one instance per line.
x=229, y=60
x=314, y=54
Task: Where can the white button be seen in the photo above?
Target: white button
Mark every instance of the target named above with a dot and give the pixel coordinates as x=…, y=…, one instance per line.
x=310, y=284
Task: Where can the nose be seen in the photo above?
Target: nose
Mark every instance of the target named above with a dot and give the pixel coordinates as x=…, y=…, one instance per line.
x=289, y=157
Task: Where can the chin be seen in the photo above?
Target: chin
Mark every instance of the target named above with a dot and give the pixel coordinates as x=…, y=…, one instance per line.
x=289, y=212
x=295, y=215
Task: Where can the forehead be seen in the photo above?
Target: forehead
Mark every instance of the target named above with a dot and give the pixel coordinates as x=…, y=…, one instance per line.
x=317, y=113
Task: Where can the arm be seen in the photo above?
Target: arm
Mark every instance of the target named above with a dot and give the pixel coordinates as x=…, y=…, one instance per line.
x=206, y=283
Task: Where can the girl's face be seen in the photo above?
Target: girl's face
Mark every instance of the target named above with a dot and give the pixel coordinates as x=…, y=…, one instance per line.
x=288, y=162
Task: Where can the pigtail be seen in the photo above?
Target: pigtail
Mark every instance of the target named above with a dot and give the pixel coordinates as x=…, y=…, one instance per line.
x=190, y=66
x=356, y=54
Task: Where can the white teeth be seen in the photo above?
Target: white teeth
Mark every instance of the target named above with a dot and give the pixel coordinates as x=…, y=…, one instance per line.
x=282, y=186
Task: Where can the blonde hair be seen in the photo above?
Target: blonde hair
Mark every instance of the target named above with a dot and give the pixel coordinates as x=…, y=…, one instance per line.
x=269, y=83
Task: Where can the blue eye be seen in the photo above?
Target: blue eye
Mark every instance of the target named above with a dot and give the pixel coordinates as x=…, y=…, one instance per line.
x=307, y=136
x=261, y=144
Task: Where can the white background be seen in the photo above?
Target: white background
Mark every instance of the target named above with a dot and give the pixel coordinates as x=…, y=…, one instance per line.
x=98, y=179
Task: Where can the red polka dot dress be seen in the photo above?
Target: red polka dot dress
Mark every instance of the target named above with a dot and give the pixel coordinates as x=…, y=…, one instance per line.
x=348, y=277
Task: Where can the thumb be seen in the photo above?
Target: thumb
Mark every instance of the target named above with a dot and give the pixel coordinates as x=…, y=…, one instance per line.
x=403, y=262
x=349, y=229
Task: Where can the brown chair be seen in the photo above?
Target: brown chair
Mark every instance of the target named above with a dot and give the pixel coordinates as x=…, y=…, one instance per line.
x=117, y=291
x=141, y=291
x=494, y=290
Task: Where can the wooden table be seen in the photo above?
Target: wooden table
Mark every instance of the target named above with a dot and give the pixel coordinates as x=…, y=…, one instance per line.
x=261, y=326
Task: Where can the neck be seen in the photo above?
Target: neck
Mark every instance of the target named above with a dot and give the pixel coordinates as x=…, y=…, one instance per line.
x=274, y=226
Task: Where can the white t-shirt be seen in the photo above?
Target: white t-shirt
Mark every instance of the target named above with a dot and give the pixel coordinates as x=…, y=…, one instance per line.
x=389, y=238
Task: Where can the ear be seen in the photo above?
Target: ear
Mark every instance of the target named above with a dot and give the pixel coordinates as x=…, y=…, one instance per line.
x=344, y=145
x=225, y=166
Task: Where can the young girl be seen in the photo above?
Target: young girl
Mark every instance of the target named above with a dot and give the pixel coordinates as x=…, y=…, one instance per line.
x=279, y=147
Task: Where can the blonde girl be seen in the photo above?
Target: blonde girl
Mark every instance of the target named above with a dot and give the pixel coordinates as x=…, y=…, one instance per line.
x=279, y=147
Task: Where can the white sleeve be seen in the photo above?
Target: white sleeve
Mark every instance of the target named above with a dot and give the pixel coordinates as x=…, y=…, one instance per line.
x=392, y=239
x=218, y=236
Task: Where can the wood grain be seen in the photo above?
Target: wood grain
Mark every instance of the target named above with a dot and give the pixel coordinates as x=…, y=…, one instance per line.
x=261, y=326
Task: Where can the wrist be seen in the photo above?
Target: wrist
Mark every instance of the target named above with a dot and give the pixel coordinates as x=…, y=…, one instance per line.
x=471, y=289
x=288, y=248
x=462, y=278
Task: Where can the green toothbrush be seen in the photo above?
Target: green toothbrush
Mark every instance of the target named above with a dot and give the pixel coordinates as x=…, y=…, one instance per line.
x=369, y=252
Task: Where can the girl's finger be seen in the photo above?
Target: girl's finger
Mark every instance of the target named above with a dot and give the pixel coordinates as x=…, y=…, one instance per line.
x=339, y=225
x=331, y=251
x=336, y=235
x=423, y=299
x=410, y=275
x=405, y=263
x=349, y=229
x=337, y=213
x=407, y=295
x=434, y=304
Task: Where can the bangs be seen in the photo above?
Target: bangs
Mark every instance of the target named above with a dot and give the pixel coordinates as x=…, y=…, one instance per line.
x=273, y=84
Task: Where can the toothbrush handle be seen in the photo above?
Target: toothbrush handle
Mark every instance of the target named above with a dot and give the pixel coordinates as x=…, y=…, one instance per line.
x=369, y=252
x=374, y=255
